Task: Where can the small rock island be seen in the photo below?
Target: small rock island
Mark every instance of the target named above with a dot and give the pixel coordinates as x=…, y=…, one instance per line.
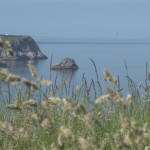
x=23, y=47
x=66, y=63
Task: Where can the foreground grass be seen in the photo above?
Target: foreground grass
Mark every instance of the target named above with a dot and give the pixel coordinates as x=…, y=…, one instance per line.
x=33, y=119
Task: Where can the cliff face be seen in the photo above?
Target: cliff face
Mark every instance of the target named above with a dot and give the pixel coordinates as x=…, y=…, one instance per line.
x=3, y=65
x=24, y=47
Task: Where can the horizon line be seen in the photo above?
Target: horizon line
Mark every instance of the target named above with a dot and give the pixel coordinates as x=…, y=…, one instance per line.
x=67, y=41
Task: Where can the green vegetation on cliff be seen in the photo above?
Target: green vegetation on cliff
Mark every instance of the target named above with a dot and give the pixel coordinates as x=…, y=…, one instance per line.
x=14, y=38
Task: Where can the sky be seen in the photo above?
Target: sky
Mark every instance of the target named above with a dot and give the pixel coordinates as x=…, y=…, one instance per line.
x=77, y=19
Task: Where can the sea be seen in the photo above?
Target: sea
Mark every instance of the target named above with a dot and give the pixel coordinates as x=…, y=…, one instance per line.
x=107, y=55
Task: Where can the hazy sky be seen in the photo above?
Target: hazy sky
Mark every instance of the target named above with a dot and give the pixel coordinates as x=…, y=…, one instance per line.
x=98, y=19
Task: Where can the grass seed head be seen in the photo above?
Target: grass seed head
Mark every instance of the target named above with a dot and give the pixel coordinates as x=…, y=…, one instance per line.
x=3, y=75
x=84, y=144
x=54, y=100
x=59, y=140
x=12, y=77
x=8, y=45
x=6, y=126
x=102, y=99
x=53, y=146
x=8, y=49
x=44, y=82
x=15, y=84
x=13, y=106
x=29, y=84
x=66, y=132
x=71, y=104
x=22, y=133
x=113, y=94
x=45, y=123
x=28, y=103
x=107, y=76
x=129, y=99
x=34, y=117
x=127, y=140
x=44, y=104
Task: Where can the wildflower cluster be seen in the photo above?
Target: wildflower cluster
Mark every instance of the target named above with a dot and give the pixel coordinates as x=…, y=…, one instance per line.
x=131, y=136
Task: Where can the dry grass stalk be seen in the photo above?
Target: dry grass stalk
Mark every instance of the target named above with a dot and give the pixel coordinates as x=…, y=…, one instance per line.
x=1, y=43
x=32, y=70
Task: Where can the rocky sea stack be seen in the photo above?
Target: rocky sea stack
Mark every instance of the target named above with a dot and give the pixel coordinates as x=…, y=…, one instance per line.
x=66, y=63
x=24, y=48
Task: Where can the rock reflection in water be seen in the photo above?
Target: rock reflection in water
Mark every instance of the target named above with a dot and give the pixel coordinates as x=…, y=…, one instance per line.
x=67, y=73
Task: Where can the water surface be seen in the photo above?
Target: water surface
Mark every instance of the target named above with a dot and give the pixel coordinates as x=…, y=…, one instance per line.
x=106, y=55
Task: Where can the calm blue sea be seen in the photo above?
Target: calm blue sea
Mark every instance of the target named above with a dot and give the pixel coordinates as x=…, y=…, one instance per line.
x=106, y=55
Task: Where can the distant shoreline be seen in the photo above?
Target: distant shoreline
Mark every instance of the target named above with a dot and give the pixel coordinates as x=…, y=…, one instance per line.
x=93, y=42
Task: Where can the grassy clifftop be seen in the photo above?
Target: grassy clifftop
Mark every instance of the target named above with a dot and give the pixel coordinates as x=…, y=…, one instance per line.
x=14, y=38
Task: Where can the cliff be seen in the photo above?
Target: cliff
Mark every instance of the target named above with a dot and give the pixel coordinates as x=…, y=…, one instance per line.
x=3, y=65
x=24, y=48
